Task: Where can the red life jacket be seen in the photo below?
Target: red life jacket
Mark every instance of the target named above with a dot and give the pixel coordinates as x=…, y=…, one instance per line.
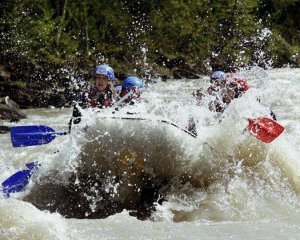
x=241, y=83
x=92, y=100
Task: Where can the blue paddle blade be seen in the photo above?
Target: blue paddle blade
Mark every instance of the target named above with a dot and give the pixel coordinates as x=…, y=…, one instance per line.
x=16, y=182
x=32, y=165
x=25, y=136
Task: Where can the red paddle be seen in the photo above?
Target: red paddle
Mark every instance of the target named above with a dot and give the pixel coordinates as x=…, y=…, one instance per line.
x=264, y=129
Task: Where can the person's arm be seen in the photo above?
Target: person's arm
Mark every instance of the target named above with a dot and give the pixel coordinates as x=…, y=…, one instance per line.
x=76, y=117
x=228, y=95
x=192, y=126
x=198, y=94
x=212, y=90
x=273, y=115
x=76, y=114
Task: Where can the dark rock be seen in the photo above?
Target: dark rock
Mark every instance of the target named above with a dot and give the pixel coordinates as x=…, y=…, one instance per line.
x=202, y=68
x=4, y=129
x=221, y=63
x=151, y=76
x=164, y=61
x=57, y=99
x=9, y=110
x=164, y=77
x=187, y=72
x=170, y=63
x=37, y=95
x=120, y=76
x=4, y=76
x=178, y=61
x=180, y=68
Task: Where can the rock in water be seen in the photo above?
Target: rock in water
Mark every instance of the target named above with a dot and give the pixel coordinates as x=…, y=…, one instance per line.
x=4, y=129
x=9, y=110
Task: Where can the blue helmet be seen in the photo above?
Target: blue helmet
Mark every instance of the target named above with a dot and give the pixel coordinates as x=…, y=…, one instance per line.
x=105, y=70
x=218, y=75
x=131, y=81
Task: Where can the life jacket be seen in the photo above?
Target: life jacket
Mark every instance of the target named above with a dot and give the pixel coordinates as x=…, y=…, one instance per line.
x=240, y=82
x=240, y=85
x=90, y=99
x=137, y=92
x=135, y=96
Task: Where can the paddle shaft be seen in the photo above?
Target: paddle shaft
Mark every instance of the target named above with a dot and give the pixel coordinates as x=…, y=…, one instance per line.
x=122, y=99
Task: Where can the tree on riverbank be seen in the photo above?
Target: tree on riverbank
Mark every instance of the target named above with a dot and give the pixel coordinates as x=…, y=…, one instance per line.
x=42, y=40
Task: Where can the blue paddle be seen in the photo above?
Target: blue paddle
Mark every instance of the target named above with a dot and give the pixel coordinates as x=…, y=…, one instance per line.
x=25, y=136
x=19, y=180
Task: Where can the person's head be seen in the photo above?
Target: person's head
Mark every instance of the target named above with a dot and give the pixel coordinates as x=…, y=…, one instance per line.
x=218, y=77
x=133, y=84
x=103, y=74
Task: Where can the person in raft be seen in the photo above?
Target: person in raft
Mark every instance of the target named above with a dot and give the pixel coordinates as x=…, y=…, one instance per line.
x=131, y=90
x=100, y=95
x=224, y=88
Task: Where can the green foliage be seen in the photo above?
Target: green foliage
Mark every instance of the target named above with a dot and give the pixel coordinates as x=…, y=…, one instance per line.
x=39, y=37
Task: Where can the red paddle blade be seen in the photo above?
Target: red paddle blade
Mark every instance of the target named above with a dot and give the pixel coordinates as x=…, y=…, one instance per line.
x=264, y=129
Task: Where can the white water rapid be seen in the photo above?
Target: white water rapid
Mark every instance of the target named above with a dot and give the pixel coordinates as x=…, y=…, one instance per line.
x=126, y=179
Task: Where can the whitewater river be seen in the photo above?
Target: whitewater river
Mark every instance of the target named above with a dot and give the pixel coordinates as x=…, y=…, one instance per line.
x=143, y=179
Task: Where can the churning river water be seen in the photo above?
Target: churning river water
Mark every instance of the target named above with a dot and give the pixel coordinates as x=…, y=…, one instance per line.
x=116, y=178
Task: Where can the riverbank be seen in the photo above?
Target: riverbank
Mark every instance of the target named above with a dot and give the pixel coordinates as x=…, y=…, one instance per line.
x=62, y=90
